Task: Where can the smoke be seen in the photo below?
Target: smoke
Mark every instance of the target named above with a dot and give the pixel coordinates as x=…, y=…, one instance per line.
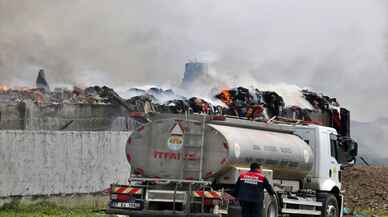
x=337, y=47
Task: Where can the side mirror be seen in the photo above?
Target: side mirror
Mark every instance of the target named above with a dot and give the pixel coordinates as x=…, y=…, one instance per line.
x=354, y=150
x=350, y=148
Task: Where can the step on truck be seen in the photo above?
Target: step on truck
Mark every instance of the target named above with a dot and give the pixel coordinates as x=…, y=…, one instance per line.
x=187, y=165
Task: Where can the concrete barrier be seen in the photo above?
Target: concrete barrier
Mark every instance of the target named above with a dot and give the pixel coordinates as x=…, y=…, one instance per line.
x=57, y=162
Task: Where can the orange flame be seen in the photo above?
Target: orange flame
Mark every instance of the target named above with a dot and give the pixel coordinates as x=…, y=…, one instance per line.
x=3, y=88
x=226, y=97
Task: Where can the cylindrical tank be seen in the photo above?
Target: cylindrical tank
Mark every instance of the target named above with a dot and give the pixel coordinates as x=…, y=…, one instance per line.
x=173, y=149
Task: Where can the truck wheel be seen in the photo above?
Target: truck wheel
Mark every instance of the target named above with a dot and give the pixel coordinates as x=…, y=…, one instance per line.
x=270, y=206
x=329, y=205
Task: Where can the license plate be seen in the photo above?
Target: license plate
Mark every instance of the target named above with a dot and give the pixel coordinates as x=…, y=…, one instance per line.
x=130, y=205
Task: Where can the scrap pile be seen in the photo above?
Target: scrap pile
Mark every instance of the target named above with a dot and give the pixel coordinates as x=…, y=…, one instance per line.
x=265, y=105
x=156, y=100
x=327, y=112
x=41, y=94
x=42, y=97
x=239, y=102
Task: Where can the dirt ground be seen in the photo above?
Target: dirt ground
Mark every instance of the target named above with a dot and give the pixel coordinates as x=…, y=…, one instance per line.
x=366, y=187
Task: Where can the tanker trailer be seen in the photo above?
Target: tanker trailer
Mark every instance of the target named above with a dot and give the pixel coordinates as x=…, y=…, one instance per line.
x=187, y=165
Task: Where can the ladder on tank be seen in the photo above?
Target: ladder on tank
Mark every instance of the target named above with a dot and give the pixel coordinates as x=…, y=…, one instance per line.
x=193, y=150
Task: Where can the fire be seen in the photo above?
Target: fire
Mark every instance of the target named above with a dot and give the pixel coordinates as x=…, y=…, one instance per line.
x=3, y=88
x=226, y=97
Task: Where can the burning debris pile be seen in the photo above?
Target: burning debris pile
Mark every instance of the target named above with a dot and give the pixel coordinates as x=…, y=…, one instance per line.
x=268, y=105
x=240, y=102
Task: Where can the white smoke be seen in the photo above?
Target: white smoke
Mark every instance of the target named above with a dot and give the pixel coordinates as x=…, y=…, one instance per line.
x=337, y=47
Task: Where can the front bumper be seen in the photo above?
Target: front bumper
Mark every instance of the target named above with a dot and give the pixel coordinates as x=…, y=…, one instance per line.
x=234, y=211
x=149, y=213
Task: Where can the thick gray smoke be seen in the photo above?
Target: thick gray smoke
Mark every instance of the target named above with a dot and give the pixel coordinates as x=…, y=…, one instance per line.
x=337, y=47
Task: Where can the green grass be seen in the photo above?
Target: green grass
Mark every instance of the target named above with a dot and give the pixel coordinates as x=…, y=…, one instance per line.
x=45, y=209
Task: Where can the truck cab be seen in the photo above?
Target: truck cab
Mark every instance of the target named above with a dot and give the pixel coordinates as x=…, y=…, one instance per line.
x=331, y=154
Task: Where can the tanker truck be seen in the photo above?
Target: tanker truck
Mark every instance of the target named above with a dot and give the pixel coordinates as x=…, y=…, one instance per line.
x=187, y=165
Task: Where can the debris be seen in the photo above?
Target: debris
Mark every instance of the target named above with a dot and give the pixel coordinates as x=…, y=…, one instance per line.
x=39, y=97
x=242, y=103
x=110, y=96
x=198, y=105
x=319, y=101
x=254, y=104
x=265, y=105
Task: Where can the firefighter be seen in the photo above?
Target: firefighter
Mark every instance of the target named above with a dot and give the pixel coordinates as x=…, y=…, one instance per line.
x=250, y=191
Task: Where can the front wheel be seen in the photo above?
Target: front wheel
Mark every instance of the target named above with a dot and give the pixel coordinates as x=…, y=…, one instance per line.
x=270, y=206
x=329, y=205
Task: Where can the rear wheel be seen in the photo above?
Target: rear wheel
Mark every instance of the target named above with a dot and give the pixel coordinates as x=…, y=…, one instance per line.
x=270, y=206
x=329, y=205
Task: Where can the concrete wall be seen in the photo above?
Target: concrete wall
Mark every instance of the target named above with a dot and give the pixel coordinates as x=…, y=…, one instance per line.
x=57, y=162
x=73, y=117
x=70, y=117
x=12, y=115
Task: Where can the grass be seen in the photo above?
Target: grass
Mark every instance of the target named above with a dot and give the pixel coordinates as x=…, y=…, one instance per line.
x=45, y=209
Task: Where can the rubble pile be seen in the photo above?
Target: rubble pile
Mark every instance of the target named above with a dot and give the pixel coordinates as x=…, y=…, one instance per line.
x=238, y=102
x=241, y=102
x=366, y=187
x=265, y=105
x=41, y=96
x=157, y=100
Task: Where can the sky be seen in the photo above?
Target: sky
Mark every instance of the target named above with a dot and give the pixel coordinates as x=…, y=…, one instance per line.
x=339, y=48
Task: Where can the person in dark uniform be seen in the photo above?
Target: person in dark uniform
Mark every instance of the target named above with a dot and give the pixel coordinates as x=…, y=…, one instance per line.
x=249, y=190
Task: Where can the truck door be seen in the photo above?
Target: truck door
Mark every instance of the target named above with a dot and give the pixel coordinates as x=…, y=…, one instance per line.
x=334, y=169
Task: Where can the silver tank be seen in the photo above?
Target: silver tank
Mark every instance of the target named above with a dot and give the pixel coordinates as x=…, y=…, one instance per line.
x=178, y=148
